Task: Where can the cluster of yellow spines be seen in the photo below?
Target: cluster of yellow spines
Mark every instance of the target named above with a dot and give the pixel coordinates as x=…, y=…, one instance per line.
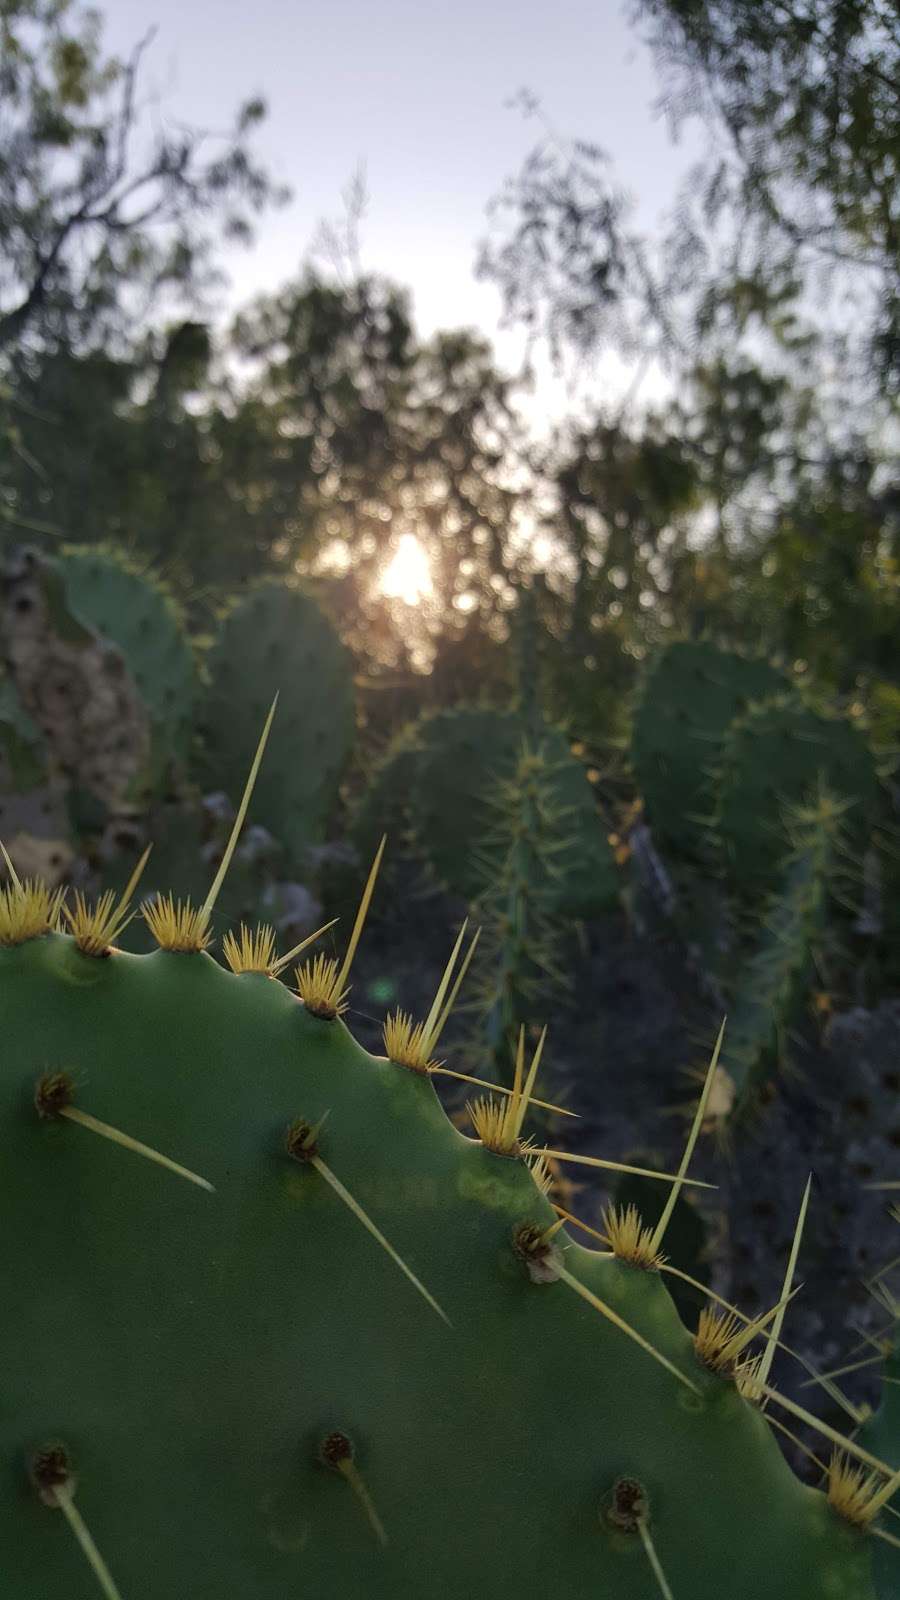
x=629, y=1238
x=322, y=981
x=412, y=1044
x=498, y=1123
x=28, y=909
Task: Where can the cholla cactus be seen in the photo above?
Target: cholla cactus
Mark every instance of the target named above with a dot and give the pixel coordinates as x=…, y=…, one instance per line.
x=776, y=974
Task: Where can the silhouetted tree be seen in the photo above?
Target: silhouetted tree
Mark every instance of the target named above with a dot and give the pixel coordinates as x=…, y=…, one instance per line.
x=100, y=216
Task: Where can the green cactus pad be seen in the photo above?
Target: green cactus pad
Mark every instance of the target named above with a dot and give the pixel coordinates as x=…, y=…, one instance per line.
x=125, y=604
x=689, y=696
x=197, y=1368
x=278, y=640
x=465, y=754
x=384, y=804
x=777, y=756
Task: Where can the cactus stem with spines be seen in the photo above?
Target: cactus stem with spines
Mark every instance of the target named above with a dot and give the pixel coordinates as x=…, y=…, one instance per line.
x=628, y=1512
x=411, y=1045
x=66, y=1503
x=775, y=1422
x=137, y=1029
x=664, y=1266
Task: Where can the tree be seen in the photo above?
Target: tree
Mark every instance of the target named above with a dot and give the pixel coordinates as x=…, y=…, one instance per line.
x=798, y=196
x=771, y=301
x=354, y=433
x=100, y=217
x=311, y=436
x=804, y=98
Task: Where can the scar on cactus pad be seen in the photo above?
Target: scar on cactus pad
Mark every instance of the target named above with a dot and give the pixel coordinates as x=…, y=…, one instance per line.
x=195, y=1376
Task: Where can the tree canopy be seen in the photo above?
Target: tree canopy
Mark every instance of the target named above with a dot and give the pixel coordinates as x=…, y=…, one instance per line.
x=316, y=432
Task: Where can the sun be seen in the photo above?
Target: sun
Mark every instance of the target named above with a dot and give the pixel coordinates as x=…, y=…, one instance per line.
x=407, y=576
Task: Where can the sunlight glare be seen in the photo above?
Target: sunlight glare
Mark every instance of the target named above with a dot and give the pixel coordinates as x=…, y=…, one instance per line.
x=407, y=576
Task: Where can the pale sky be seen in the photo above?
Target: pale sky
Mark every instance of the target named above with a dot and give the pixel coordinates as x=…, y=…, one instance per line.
x=417, y=94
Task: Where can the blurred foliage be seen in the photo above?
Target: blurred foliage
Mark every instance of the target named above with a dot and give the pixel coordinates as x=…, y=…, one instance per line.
x=101, y=216
x=806, y=99
x=318, y=432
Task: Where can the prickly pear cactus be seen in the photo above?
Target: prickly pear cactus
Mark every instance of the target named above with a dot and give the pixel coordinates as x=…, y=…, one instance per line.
x=464, y=757
x=274, y=1325
x=277, y=640
x=776, y=756
x=385, y=803
x=217, y=1380
x=126, y=604
x=690, y=694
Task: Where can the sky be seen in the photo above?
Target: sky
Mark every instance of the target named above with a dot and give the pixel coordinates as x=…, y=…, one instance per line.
x=417, y=95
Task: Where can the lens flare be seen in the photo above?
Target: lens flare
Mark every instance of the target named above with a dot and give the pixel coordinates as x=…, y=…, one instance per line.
x=407, y=576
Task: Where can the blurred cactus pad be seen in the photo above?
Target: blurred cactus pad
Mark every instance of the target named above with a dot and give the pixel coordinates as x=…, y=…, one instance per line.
x=689, y=696
x=446, y=778
x=277, y=639
x=275, y=1325
x=125, y=604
